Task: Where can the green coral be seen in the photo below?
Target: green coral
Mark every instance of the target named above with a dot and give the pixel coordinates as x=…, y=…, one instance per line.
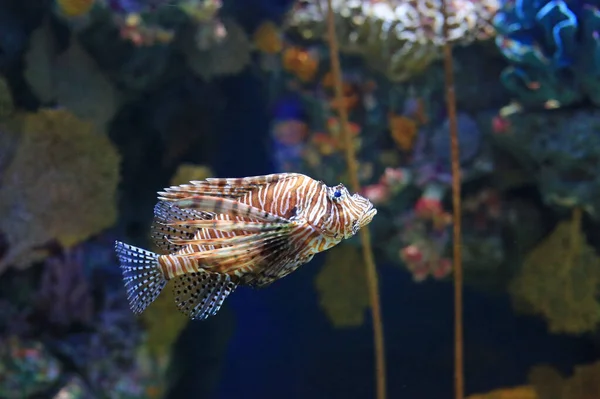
x=59, y=185
x=342, y=288
x=560, y=280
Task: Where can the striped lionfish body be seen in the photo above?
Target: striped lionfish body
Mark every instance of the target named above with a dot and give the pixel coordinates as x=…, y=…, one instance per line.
x=217, y=234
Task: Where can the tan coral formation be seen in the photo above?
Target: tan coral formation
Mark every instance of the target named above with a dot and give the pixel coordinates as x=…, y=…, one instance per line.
x=60, y=184
x=342, y=287
x=521, y=392
x=397, y=37
x=560, y=280
x=583, y=384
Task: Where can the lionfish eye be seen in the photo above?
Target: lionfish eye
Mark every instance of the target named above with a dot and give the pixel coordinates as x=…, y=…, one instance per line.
x=338, y=193
x=354, y=226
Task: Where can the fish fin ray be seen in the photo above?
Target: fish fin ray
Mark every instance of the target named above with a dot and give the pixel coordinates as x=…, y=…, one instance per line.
x=200, y=295
x=224, y=187
x=228, y=207
x=170, y=222
x=252, y=253
x=228, y=241
x=232, y=225
x=141, y=275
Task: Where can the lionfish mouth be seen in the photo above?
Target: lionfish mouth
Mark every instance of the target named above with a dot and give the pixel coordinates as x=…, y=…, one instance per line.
x=368, y=216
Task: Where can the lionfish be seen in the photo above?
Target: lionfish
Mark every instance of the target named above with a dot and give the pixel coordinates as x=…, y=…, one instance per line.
x=220, y=233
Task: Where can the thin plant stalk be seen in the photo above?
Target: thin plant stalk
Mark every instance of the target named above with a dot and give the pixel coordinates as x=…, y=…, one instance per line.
x=459, y=375
x=365, y=236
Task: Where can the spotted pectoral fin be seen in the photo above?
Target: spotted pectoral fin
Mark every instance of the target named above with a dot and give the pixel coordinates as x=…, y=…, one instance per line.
x=278, y=270
x=223, y=187
x=255, y=253
x=200, y=295
x=226, y=206
x=170, y=223
x=240, y=254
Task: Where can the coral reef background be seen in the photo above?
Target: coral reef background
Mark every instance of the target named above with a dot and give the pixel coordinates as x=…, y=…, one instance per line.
x=102, y=103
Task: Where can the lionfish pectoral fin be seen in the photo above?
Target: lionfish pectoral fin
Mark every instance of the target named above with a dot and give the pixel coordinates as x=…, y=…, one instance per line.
x=141, y=274
x=243, y=253
x=278, y=269
x=200, y=295
x=229, y=207
x=222, y=187
x=170, y=223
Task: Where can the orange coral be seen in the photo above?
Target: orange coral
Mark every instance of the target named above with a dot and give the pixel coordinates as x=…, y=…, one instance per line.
x=301, y=63
x=350, y=95
x=267, y=38
x=522, y=392
x=560, y=280
x=342, y=288
x=404, y=131
x=60, y=184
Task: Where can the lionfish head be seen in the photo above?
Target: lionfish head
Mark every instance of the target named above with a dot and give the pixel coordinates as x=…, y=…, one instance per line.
x=353, y=211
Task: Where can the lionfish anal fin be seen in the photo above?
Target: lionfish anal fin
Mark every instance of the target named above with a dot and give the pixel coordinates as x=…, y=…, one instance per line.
x=200, y=295
x=223, y=187
x=170, y=222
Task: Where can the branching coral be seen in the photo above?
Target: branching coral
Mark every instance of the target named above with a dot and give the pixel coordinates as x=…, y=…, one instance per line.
x=560, y=280
x=59, y=185
x=400, y=38
x=341, y=286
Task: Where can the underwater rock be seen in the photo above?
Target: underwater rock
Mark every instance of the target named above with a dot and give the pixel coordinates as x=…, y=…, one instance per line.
x=564, y=148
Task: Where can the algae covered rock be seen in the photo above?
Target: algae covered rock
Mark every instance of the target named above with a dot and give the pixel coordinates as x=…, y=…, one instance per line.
x=342, y=287
x=560, y=279
x=60, y=185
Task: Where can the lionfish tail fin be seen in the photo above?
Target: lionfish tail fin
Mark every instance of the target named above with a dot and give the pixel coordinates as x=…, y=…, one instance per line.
x=200, y=295
x=141, y=274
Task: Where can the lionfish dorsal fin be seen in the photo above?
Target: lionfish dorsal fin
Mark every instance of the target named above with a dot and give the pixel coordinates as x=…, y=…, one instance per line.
x=170, y=223
x=224, y=187
x=226, y=206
